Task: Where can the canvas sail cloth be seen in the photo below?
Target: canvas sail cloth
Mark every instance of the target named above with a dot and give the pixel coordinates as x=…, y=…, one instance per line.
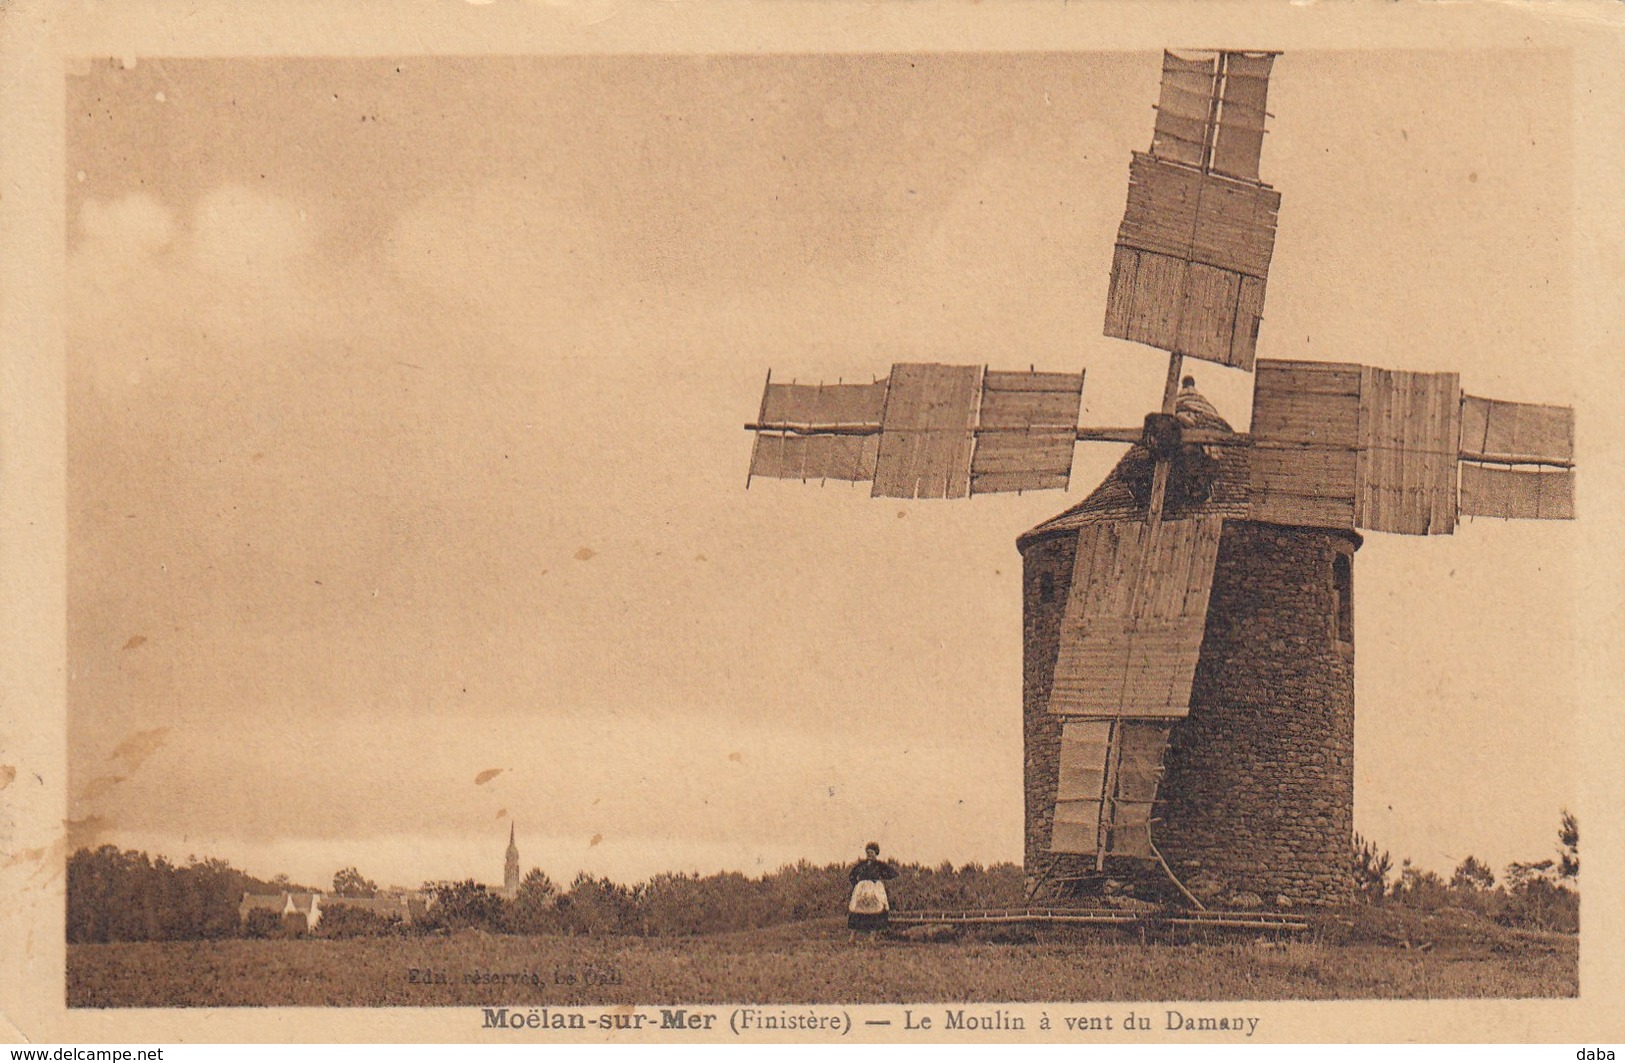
x=1194, y=248
x=1109, y=771
x=1130, y=638
x=1510, y=431
x=792, y=455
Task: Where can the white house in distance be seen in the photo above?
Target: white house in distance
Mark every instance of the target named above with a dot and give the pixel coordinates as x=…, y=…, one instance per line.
x=299, y=911
x=302, y=912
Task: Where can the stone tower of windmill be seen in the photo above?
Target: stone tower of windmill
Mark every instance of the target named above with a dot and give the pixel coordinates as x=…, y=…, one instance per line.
x=1256, y=800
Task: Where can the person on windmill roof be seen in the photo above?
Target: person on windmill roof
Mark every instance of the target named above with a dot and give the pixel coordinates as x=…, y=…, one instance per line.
x=1192, y=408
x=869, y=910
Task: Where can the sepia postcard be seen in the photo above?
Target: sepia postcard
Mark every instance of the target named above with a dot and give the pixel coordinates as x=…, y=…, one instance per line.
x=634, y=522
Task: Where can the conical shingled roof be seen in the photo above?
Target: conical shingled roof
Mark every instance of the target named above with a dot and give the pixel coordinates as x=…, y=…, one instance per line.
x=1113, y=500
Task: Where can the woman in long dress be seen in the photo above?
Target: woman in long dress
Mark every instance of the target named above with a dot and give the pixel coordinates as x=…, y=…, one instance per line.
x=869, y=909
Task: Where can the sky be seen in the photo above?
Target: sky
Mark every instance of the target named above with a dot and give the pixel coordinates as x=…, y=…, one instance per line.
x=407, y=484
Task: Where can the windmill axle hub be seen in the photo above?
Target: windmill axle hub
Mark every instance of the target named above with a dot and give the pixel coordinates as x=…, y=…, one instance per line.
x=1163, y=436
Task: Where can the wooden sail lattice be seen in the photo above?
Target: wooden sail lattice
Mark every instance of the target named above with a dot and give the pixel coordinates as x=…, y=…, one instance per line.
x=1132, y=627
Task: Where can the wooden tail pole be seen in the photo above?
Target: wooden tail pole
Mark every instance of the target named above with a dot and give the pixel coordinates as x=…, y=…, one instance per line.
x=1187, y=894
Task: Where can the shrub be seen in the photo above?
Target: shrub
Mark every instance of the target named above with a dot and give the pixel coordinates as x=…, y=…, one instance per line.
x=349, y=882
x=1472, y=875
x=349, y=921
x=129, y=896
x=1568, y=840
x=262, y=923
x=1542, y=905
x=464, y=905
x=596, y=906
x=1417, y=888
x=534, y=909
x=1370, y=871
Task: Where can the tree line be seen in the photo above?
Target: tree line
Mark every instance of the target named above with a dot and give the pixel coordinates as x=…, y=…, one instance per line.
x=127, y=896
x=115, y=895
x=1541, y=895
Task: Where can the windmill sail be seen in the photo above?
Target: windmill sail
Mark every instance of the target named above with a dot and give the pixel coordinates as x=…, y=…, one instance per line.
x=1109, y=771
x=1344, y=446
x=791, y=456
x=1210, y=114
x=1030, y=422
x=1194, y=248
x=1132, y=628
x=1185, y=109
x=1306, y=432
x=1523, y=494
x=1410, y=441
x=1238, y=138
x=1338, y=445
x=927, y=431
x=1515, y=432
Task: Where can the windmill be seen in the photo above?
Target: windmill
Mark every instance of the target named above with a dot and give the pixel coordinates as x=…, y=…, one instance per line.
x=1188, y=627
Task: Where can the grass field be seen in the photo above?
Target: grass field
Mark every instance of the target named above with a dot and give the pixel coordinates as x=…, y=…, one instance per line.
x=815, y=963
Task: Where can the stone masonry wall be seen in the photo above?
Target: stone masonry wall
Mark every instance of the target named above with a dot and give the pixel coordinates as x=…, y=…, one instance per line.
x=1046, y=578
x=1256, y=806
x=1259, y=784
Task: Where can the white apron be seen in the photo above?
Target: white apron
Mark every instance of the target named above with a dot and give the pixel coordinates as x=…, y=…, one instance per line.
x=868, y=898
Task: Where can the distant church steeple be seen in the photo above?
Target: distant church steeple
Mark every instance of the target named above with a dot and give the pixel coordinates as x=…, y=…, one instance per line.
x=510, y=867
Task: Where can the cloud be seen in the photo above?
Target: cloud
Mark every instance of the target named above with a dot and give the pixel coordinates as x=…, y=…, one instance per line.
x=501, y=245
x=245, y=281
x=134, y=225
x=247, y=233
x=232, y=230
